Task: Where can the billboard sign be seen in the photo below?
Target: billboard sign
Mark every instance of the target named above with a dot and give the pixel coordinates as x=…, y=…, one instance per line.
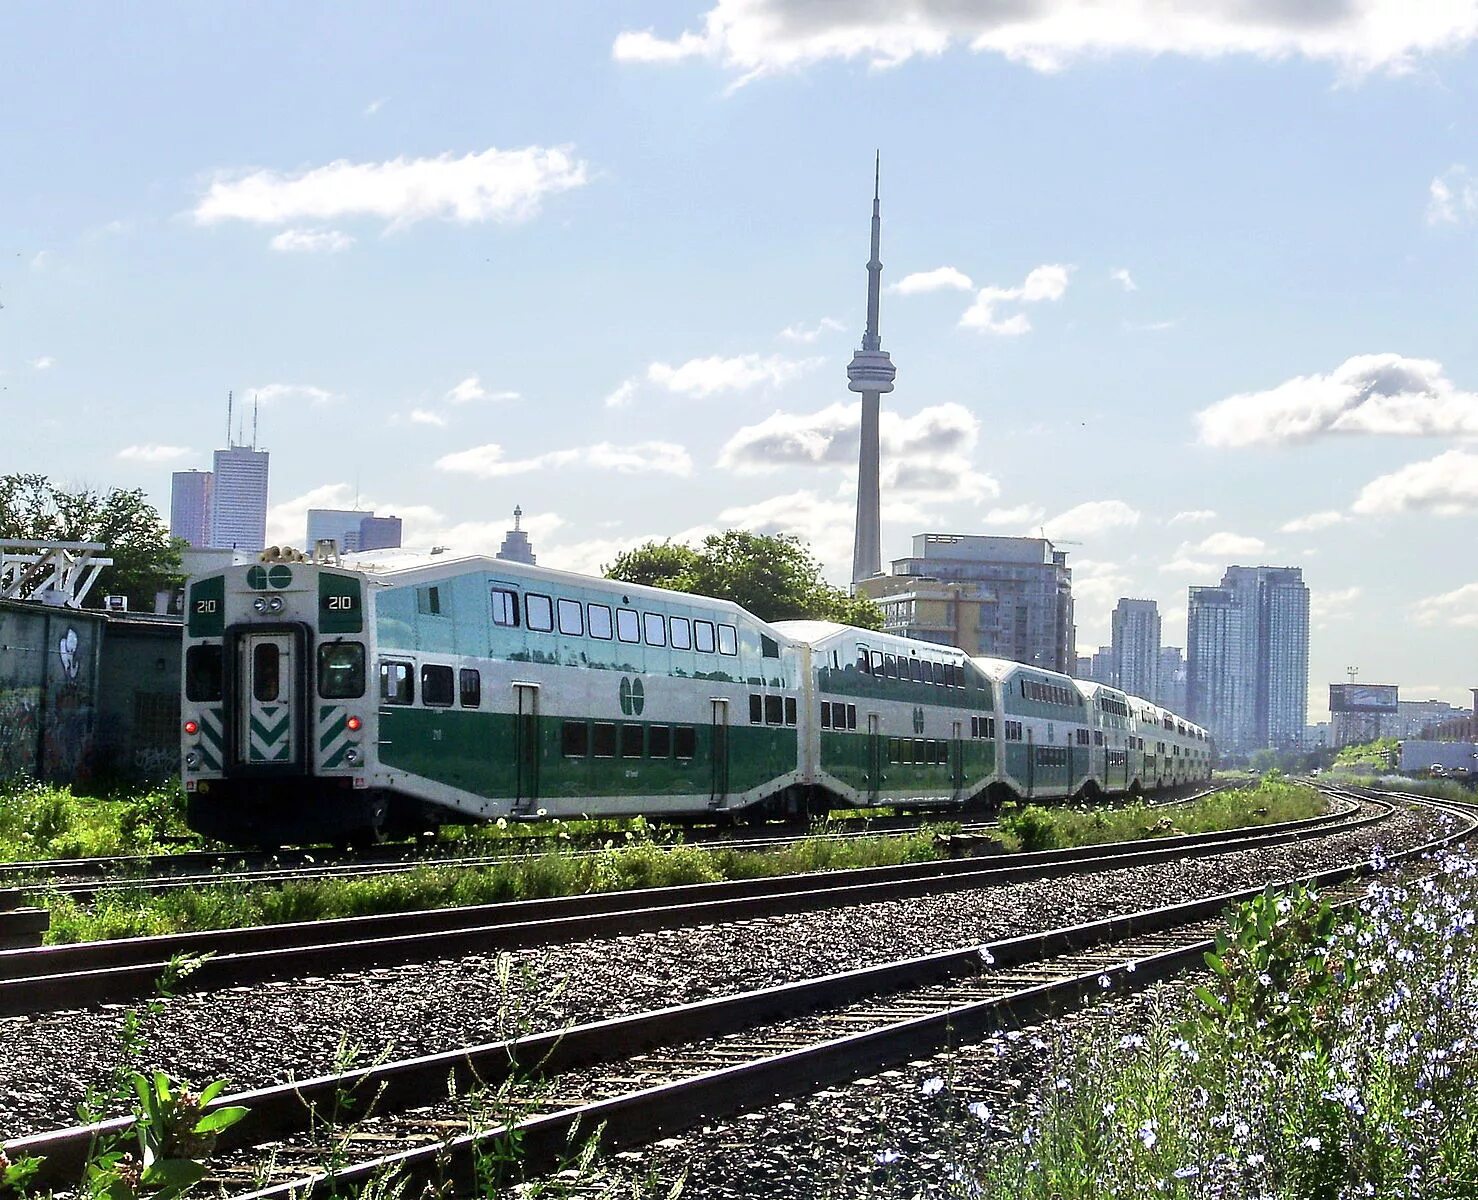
x=1362, y=697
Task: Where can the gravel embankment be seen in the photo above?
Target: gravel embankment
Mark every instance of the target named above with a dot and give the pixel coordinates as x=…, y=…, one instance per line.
x=293, y=1029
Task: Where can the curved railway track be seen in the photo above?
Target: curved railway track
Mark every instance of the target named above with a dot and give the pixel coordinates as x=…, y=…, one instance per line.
x=640, y=1077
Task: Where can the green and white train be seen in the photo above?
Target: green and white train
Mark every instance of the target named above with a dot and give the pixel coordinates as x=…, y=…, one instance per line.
x=324, y=702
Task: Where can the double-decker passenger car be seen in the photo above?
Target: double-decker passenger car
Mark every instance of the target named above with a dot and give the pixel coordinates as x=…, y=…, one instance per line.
x=325, y=701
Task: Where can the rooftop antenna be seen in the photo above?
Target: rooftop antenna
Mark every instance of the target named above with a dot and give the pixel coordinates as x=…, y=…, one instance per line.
x=517, y=517
x=254, y=406
x=1352, y=672
x=230, y=404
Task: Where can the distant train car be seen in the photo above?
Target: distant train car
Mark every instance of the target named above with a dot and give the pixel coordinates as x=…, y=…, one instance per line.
x=333, y=701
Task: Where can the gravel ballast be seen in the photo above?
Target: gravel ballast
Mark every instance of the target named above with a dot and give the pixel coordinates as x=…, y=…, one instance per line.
x=294, y=1029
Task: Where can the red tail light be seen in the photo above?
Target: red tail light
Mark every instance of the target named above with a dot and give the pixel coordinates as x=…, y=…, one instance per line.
x=192, y=728
x=355, y=724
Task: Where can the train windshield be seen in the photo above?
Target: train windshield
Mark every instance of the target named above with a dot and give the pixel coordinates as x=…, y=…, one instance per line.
x=341, y=670
x=203, y=673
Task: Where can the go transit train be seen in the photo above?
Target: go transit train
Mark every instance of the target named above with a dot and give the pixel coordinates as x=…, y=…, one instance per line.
x=333, y=702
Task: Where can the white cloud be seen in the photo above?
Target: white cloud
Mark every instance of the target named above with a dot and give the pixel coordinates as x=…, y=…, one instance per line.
x=311, y=241
x=762, y=37
x=1446, y=485
x=1331, y=604
x=1097, y=587
x=1047, y=282
x=1018, y=517
x=1150, y=326
x=824, y=524
x=830, y=437
x=153, y=453
x=1220, y=545
x=40, y=259
x=495, y=185
x=1183, y=564
x=375, y=105
x=44, y=363
x=1090, y=518
x=1452, y=198
x=470, y=391
x=421, y=416
x=1312, y=522
x=1366, y=394
x=939, y=279
x=1121, y=276
x=621, y=396
x=271, y=393
x=1457, y=607
x=1192, y=516
x=488, y=462
x=704, y=377
x=799, y=333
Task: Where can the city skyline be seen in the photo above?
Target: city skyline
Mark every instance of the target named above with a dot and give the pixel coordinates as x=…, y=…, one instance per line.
x=622, y=300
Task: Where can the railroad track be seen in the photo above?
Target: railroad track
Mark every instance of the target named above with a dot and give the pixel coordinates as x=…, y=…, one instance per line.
x=72, y=976
x=640, y=1077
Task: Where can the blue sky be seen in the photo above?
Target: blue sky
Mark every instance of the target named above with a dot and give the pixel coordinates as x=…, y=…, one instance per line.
x=607, y=262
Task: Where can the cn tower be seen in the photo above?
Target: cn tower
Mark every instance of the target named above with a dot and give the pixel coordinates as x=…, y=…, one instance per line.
x=870, y=372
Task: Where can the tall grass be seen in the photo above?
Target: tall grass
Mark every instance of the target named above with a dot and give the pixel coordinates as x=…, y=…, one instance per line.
x=38, y=821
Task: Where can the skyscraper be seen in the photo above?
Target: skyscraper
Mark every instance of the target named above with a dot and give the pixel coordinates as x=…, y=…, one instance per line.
x=380, y=533
x=1247, y=658
x=1172, y=680
x=516, y=547
x=1136, y=640
x=339, y=524
x=870, y=373
x=238, y=518
x=189, y=507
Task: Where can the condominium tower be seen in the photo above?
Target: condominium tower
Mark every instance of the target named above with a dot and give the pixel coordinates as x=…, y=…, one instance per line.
x=1136, y=639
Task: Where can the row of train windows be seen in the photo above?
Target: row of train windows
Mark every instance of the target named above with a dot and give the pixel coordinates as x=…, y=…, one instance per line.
x=768, y=710
x=918, y=751
x=836, y=715
x=1052, y=756
x=1112, y=704
x=982, y=727
x=340, y=672
x=1013, y=731
x=546, y=614
x=1049, y=693
x=897, y=666
x=606, y=739
x=440, y=685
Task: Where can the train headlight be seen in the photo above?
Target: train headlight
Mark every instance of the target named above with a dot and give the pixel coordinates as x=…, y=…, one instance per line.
x=192, y=728
x=260, y=604
x=274, y=604
x=351, y=755
x=192, y=760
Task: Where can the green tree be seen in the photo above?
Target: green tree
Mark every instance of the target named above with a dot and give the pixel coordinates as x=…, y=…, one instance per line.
x=145, y=558
x=773, y=576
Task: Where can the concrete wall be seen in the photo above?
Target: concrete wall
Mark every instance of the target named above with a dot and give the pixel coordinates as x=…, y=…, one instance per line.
x=1421, y=756
x=138, y=712
x=48, y=686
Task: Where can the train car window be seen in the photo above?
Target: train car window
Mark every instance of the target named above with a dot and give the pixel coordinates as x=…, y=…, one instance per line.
x=728, y=640
x=659, y=741
x=538, y=611
x=890, y=666
x=769, y=647
x=790, y=710
x=603, y=739
x=957, y=672
x=505, y=607
x=862, y=661
x=851, y=716
x=774, y=711
x=340, y=670
x=428, y=601
x=599, y=616
x=633, y=741
x=628, y=626
x=990, y=727
x=895, y=750
x=875, y=659
x=654, y=629
x=682, y=633
x=975, y=727
x=571, y=617
x=936, y=671
x=921, y=751
x=684, y=741
x=469, y=685
x=825, y=716
x=574, y=739
x=915, y=670
x=397, y=682
x=203, y=671
x=436, y=685
x=756, y=709
x=703, y=637
x=266, y=671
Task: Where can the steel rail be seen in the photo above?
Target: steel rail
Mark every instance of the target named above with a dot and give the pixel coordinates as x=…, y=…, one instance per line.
x=288, y=1109
x=73, y=976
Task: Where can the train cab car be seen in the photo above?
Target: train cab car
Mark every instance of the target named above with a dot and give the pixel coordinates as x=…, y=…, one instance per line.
x=1118, y=750
x=1045, y=731
x=895, y=721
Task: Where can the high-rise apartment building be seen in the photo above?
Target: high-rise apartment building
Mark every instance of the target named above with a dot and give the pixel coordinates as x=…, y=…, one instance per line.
x=238, y=517
x=380, y=533
x=1247, y=654
x=1002, y=597
x=1136, y=639
x=1172, y=680
x=189, y=507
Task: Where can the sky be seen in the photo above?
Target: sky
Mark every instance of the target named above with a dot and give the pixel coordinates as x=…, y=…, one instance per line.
x=1181, y=285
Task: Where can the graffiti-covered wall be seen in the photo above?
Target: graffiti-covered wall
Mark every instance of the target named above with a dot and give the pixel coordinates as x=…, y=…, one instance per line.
x=48, y=690
x=138, y=722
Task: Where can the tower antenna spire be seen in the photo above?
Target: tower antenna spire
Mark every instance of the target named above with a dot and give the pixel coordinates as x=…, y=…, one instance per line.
x=255, y=405
x=230, y=405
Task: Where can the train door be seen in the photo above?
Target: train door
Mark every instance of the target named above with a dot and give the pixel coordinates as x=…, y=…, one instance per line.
x=269, y=717
x=957, y=761
x=874, y=756
x=718, y=790
x=526, y=746
x=1031, y=763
